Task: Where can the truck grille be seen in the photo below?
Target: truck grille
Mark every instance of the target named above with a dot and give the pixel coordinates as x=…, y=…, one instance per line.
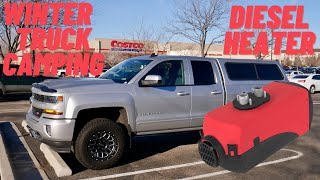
x=37, y=112
x=38, y=97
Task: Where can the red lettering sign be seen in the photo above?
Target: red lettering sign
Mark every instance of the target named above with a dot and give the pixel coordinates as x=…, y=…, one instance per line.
x=131, y=45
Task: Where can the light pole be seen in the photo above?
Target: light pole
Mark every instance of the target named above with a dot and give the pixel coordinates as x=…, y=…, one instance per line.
x=271, y=44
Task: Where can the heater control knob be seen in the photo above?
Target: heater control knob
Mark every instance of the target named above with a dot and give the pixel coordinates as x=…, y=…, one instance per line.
x=251, y=100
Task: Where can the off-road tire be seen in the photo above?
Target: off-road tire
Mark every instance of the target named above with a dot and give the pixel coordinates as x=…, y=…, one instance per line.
x=81, y=144
x=312, y=89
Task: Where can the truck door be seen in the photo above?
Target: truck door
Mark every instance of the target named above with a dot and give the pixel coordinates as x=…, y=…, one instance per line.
x=207, y=90
x=166, y=106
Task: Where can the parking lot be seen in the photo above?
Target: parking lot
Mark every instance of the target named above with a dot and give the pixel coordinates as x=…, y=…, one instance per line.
x=175, y=156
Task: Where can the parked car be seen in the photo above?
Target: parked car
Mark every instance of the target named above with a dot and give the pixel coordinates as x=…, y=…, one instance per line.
x=18, y=84
x=294, y=68
x=309, y=70
x=61, y=73
x=309, y=81
x=291, y=73
x=139, y=96
x=286, y=68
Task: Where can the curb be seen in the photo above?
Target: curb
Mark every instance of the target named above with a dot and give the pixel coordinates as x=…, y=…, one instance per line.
x=5, y=166
x=24, y=125
x=60, y=167
x=32, y=156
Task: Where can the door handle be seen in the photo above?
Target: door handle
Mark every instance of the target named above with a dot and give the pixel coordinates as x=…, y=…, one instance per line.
x=216, y=92
x=183, y=94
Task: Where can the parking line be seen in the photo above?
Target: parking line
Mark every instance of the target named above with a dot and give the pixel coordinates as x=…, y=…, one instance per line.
x=14, y=102
x=14, y=110
x=299, y=154
x=146, y=171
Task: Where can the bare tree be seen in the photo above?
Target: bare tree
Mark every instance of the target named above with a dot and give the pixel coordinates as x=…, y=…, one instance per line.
x=286, y=62
x=270, y=42
x=197, y=19
x=297, y=61
x=9, y=36
x=112, y=58
x=254, y=39
x=311, y=61
x=154, y=41
x=318, y=60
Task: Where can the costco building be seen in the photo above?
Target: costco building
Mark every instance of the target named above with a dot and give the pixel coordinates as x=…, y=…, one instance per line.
x=104, y=45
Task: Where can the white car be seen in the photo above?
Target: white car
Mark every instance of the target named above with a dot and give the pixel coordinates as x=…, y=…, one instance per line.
x=61, y=72
x=310, y=81
x=291, y=73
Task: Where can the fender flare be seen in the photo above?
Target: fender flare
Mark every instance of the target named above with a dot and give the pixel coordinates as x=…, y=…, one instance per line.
x=77, y=103
x=123, y=119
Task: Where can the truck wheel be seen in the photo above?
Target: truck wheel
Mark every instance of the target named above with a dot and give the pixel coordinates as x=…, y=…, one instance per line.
x=63, y=75
x=312, y=89
x=100, y=144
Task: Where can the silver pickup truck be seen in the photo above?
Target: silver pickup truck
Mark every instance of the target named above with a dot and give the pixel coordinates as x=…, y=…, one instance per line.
x=96, y=118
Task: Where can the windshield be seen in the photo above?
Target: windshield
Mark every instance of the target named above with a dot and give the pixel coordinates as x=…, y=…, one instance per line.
x=125, y=71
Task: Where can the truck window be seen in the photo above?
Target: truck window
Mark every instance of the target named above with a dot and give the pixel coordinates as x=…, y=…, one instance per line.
x=171, y=72
x=269, y=72
x=202, y=73
x=241, y=71
x=125, y=71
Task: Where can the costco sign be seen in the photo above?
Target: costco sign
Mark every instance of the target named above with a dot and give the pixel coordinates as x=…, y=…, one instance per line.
x=126, y=46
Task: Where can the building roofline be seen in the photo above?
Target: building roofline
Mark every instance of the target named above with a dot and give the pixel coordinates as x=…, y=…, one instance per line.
x=314, y=50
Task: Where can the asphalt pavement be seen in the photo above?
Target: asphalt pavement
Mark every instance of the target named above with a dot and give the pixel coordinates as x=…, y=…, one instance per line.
x=175, y=156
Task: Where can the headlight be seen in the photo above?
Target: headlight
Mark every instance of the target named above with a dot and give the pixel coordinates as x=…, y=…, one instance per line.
x=47, y=99
x=52, y=99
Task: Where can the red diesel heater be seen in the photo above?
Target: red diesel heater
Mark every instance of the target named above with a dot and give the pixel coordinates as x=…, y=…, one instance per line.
x=243, y=133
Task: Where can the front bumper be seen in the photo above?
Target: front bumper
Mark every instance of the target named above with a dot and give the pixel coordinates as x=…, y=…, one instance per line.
x=57, y=133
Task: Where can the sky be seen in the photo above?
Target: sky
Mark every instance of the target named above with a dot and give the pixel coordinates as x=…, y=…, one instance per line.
x=119, y=18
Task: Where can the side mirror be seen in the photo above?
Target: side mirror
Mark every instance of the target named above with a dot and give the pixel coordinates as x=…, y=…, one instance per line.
x=151, y=80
